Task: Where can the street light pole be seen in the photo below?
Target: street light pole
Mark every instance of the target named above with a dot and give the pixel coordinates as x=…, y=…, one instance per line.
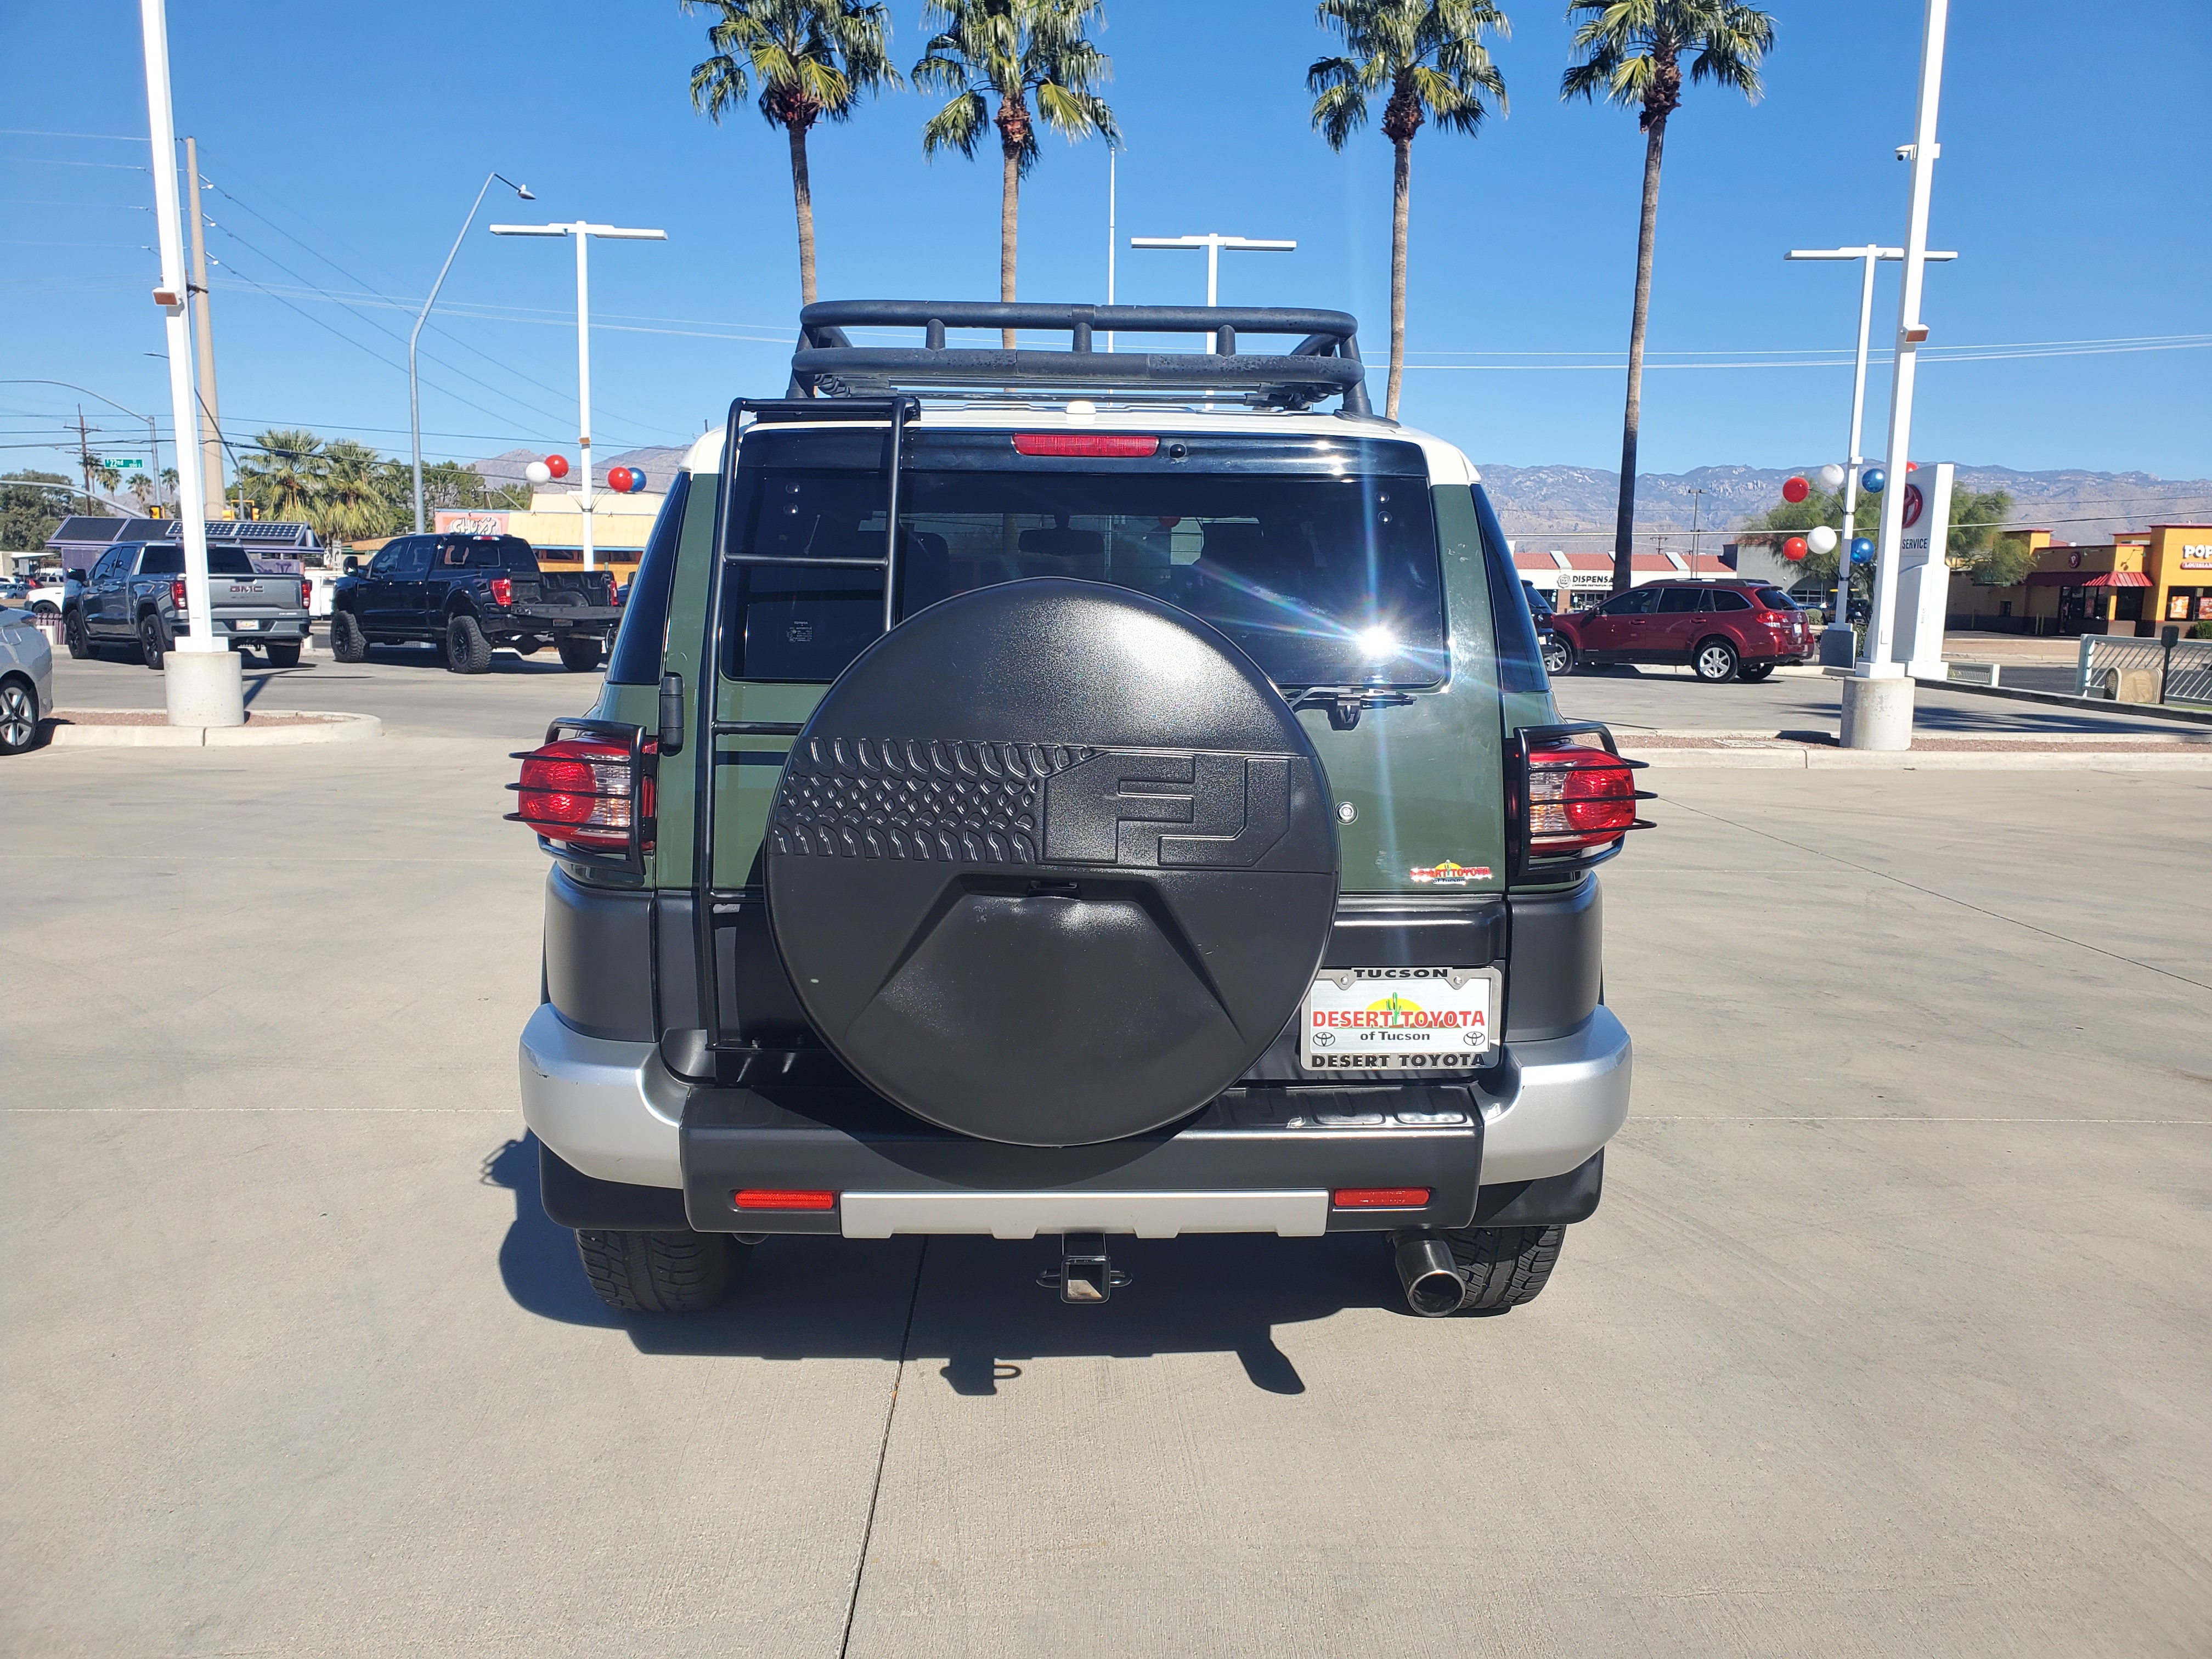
x=1213, y=244
x=202, y=685
x=583, y=230
x=1868, y=256
x=414, y=389
x=1696, y=503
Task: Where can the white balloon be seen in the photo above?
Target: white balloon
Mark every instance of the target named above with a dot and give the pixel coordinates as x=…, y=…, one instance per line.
x=538, y=472
x=1831, y=478
x=1822, y=539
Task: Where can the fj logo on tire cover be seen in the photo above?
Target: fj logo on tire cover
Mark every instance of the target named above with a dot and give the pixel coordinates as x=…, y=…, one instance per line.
x=952, y=801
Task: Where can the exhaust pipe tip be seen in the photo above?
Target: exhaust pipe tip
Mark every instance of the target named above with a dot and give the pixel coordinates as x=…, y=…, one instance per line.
x=1433, y=1285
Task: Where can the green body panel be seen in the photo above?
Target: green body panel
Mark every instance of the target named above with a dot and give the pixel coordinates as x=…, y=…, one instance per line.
x=1426, y=780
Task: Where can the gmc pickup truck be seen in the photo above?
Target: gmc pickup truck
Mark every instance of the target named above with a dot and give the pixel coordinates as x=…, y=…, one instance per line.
x=135, y=594
x=469, y=595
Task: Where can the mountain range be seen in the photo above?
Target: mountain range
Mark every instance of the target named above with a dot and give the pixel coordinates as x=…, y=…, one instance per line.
x=1572, y=508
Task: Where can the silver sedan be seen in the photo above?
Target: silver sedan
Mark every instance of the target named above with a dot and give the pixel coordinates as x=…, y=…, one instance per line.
x=27, y=681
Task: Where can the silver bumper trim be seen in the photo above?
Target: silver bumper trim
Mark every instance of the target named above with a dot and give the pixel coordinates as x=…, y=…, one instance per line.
x=610, y=1109
x=1290, y=1214
x=1566, y=1098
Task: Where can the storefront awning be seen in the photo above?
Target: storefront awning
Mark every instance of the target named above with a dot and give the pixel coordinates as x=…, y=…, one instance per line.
x=2089, y=578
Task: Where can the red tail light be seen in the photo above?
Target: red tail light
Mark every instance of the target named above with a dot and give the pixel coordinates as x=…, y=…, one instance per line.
x=1580, y=799
x=1379, y=1198
x=307, y=593
x=777, y=1198
x=611, y=600
x=584, y=793
x=177, y=593
x=502, y=592
x=1127, y=446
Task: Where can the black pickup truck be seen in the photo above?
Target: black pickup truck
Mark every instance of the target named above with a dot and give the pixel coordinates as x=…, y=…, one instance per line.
x=468, y=595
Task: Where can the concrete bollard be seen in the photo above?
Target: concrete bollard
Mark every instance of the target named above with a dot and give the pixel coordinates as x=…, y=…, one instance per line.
x=1877, y=714
x=204, y=687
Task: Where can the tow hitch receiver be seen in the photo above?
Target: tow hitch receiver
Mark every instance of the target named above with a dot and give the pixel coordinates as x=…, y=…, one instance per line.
x=1084, y=1273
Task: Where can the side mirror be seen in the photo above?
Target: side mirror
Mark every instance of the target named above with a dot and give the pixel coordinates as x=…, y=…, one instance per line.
x=352, y=566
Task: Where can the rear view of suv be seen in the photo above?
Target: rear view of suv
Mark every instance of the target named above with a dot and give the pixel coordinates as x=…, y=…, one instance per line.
x=1049, y=794
x=1721, y=630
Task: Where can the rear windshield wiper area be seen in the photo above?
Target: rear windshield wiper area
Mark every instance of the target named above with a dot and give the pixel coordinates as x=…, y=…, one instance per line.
x=1346, y=703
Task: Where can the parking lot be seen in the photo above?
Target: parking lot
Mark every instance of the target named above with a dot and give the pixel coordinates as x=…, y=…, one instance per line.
x=1892, y=1335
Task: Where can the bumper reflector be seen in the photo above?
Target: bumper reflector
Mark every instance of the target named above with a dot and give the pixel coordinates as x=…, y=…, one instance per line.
x=1379, y=1198
x=777, y=1198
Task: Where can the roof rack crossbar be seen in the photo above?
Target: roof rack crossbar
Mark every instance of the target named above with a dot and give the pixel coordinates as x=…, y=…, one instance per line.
x=1323, y=362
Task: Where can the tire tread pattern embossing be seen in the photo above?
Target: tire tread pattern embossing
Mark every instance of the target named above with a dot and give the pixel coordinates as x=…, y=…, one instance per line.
x=943, y=800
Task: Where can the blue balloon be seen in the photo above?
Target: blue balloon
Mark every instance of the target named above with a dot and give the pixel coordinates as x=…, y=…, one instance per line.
x=1872, y=480
x=636, y=480
x=1862, y=550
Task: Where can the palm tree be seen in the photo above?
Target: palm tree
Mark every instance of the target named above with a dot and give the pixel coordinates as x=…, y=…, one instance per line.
x=1632, y=52
x=815, y=61
x=358, y=495
x=1430, y=55
x=1015, y=51
x=283, y=471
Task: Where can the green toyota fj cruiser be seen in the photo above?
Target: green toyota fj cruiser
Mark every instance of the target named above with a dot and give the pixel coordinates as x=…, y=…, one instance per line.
x=1073, y=792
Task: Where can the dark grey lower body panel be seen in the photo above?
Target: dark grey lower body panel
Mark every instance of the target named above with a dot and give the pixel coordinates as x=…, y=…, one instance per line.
x=1250, y=1141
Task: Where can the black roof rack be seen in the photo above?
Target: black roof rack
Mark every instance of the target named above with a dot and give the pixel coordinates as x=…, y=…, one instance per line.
x=1323, y=362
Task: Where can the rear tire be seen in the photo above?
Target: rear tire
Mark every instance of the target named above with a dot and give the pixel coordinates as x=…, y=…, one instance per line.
x=1505, y=1266
x=467, y=650
x=661, y=1273
x=348, y=642
x=1751, y=674
x=580, y=656
x=77, y=637
x=282, y=656
x=1713, y=661
x=19, y=717
x=155, y=642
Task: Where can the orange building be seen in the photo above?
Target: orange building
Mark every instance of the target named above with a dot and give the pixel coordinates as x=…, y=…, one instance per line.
x=2129, y=586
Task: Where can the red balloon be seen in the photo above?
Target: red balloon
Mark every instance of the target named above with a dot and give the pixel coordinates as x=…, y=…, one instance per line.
x=618, y=480
x=1794, y=549
x=1797, y=490
x=1912, y=467
x=557, y=465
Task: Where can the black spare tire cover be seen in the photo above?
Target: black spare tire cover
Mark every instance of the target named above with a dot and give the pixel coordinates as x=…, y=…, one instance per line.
x=1052, y=864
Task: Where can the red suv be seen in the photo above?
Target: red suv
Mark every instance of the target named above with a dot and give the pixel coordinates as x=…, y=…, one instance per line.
x=1724, y=630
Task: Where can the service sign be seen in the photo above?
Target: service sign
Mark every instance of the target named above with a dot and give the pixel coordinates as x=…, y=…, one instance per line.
x=1401, y=1019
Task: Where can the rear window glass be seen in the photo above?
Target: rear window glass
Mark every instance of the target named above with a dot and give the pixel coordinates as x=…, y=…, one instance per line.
x=485, y=553
x=1774, y=599
x=170, y=561
x=1323, y=580
x=638, y=643
x=1677, y=600
x=1727, y=599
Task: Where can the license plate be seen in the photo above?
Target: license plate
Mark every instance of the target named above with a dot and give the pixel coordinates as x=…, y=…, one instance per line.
x=247, y=625
x=1401, y=1019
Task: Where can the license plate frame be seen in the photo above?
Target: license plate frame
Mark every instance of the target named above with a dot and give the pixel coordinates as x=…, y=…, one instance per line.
x=245, y=625
x=1402, y=1043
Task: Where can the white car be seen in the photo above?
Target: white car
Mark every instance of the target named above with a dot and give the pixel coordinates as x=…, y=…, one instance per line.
x=27, y=681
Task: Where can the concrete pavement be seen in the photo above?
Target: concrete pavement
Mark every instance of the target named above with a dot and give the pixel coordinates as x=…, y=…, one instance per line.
x=1891, y=1335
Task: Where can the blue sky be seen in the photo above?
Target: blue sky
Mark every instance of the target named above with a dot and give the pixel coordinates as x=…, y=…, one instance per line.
x=345, y=146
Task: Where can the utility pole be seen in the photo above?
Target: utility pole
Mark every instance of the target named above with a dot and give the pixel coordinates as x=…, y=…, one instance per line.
x=210, y=424
x=85, y=457
x=1213, y=244
x=1697, y=502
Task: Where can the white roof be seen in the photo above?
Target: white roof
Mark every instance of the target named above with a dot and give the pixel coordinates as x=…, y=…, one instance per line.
x=1446, y=465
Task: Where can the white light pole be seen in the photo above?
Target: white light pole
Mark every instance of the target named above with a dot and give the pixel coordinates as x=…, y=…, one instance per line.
x=203, y=686
x=583, y=230
x=1877, y=711
x=1213, y=244
x=1112, y=237
x=413, y=390
x=1867, y=256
